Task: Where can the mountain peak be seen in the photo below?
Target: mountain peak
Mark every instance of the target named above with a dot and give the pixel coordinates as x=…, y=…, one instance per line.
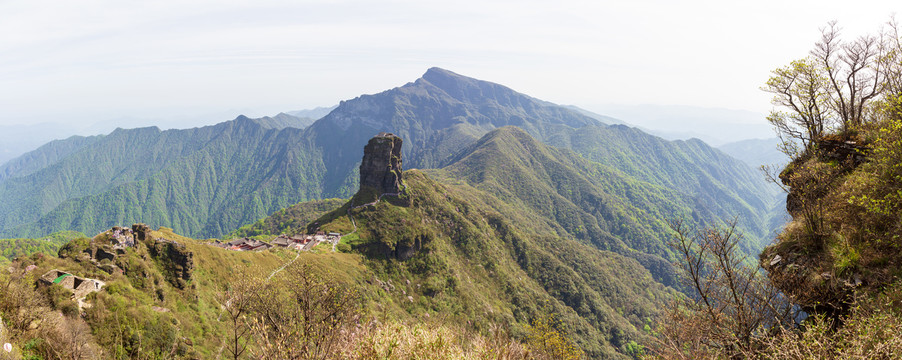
x=435, y=72
x=466, y=88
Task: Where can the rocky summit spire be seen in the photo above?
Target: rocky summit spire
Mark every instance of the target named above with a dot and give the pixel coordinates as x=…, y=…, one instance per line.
x=381, y=165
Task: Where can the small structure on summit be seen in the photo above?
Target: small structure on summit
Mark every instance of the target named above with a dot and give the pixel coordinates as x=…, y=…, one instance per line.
x=381, y=165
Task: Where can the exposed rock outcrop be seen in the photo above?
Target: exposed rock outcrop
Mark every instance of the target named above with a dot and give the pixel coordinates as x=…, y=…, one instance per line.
x=176, y=260
x=808, y=178
x=381, y=165
x=109, y=252
x=801, y=264
x=140, y=231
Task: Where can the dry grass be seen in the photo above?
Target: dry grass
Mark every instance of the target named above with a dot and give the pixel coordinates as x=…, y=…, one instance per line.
x=427, y=342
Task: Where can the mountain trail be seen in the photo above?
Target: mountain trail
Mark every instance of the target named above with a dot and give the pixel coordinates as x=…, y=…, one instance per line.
x=354, y=223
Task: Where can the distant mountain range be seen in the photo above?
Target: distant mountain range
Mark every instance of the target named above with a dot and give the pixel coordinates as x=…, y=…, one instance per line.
x=715, y=126
x=208, y=181
x=315, y=113
x=757, y=152
x=16, y=140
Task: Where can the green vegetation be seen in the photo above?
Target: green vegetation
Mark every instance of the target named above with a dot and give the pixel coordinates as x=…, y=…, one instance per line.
x=291, y=220
x=546, y=339
x=839, y=260
x=512, y=223
x=446, y=249
x=208, y=181
x=322, y=306
x=525, y=250
x=13, y=248
x=199, y=181
x=143, y=311
x=529, y=224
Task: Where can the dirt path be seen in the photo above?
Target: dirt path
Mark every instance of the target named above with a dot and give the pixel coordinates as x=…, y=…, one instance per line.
x=354, y=223
x=284, y=266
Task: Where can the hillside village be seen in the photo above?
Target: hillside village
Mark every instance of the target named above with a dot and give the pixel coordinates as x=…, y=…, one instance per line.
x=293, y=242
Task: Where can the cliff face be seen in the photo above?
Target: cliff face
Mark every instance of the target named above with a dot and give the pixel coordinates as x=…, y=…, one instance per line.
x=838, y=243
x=174, y=260
x=381, y=165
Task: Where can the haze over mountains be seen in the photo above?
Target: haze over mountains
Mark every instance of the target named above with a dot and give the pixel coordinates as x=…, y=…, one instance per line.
x=757, y=152
x=208, y=181
x=510, y=202
x=713, y=125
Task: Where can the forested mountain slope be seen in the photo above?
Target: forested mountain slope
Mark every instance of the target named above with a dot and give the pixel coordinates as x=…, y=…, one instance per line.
x=437, y=115
x=201, y=180
x=208, y=181
x=44, y=156
x=511, y=230
x=488, y=252
x=726, y=187
x=512, y=223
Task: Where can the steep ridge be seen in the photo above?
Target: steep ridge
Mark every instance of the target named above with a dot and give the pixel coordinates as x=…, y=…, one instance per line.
x=204, y=180
x=479, y=267
x=283, y=120
x=437, y=115
x=719, y=183
x=208, y=181
x=587, y=201
x=757, y=152
x=510, y=230
x=44, y=156
x=442, y=113
x=512, y=223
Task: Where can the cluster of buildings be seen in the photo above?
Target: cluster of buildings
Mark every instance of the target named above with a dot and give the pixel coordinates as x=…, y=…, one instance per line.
x=243, y=244
x=124, y=237
x=296, y=242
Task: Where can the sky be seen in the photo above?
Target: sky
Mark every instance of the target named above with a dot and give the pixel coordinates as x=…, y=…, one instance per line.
x=83, y=62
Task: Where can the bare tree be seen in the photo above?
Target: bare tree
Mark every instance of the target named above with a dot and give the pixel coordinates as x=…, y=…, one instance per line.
x=301, y=316
x=854, y=72
x=834, y=88
x=237, y=302
x=733, y=304
x=69, y=338
x=891, y=61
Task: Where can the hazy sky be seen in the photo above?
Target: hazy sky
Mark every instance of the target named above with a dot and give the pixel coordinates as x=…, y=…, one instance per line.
x=87, y=61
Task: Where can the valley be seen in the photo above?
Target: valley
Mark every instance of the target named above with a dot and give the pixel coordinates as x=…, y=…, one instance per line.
x=506, y=209
x=468, y=180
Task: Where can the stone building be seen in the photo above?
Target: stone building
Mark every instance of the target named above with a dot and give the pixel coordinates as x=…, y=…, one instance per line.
x=79, y=286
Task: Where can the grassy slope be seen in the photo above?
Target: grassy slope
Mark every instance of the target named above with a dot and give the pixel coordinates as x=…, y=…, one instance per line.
x=513, y=224
x=291, y=220
x=143, y=312
x=470, y=263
